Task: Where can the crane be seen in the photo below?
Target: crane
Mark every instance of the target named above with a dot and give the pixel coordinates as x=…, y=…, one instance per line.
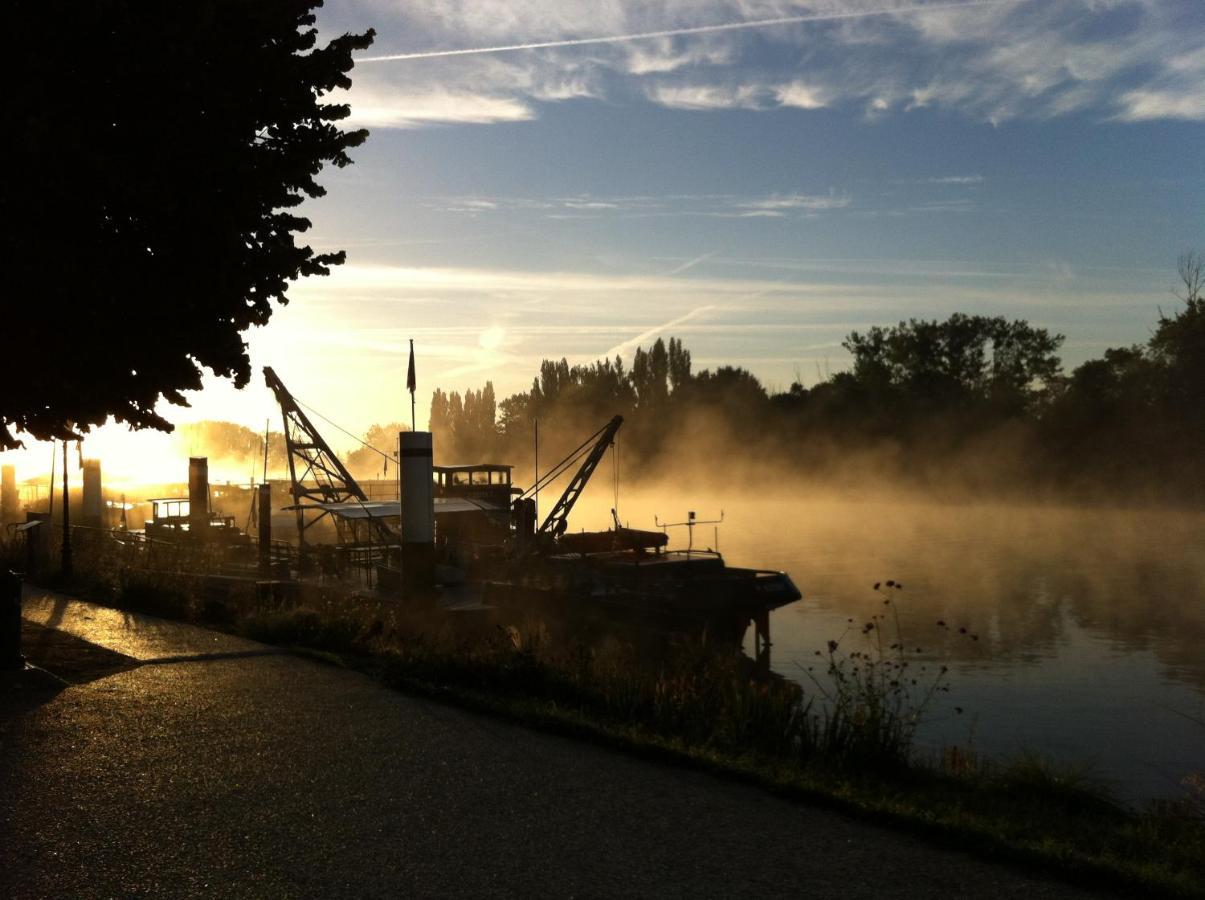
x=592, y=449
x=316, y=473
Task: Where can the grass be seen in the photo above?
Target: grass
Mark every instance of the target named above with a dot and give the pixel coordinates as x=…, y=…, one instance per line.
x=847, y=741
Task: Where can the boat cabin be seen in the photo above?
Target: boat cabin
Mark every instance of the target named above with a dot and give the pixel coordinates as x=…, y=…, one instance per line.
x=171, y=517
x=490, y=482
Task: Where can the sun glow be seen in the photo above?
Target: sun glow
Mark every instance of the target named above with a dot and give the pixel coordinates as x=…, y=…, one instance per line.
x=492, y=338
x=128, y=459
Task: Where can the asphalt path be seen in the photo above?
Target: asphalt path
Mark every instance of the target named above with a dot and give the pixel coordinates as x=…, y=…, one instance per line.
x=197, y=763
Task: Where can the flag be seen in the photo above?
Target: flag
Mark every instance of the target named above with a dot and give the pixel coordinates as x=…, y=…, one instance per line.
x=410, y=382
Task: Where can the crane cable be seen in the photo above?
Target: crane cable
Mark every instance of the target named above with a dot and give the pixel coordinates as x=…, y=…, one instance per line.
x=341, y=428
x=560, y=468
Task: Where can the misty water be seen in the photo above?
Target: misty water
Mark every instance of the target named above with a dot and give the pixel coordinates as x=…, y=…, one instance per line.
x=1090, y=622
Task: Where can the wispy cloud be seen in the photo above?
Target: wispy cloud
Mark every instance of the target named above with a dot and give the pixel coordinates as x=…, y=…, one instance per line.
x=381, y=109
x=943, y=179
x=1185, y=103
x=809, y=202
x=688, y=31
x=710, y=96
x=995, y=60
x=801, y=95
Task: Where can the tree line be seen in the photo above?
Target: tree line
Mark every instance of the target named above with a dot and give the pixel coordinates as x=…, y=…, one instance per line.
x=971, y=402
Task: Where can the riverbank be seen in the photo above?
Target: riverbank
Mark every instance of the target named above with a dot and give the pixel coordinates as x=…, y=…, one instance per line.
x=203, y=763
x=703, y=712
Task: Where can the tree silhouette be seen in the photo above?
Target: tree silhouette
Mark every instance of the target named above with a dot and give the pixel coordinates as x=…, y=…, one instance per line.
x=156, y=153
x=962, y=361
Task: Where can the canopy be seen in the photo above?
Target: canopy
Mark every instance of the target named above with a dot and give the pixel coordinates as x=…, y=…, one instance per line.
x=392, y=509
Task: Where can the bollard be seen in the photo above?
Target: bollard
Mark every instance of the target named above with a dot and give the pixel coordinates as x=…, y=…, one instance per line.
x=10, y=621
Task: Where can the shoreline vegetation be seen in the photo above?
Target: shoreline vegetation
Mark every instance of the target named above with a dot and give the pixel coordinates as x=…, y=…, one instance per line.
x=700, y=706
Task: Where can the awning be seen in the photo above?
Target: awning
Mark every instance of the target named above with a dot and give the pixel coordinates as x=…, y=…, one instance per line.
x=392, y=509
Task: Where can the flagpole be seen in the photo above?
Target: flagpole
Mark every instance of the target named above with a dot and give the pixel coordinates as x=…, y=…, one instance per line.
x=411, y=385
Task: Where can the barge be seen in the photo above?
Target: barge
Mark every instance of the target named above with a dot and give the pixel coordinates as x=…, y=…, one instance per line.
x=482, y=535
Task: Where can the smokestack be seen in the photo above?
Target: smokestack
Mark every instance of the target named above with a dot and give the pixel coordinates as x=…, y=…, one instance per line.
x=93, y=507
x=418, y=509
x=198, y=494
x=8, y=494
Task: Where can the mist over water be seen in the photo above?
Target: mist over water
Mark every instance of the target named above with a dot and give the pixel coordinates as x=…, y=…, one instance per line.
x=1090, y=618
x=1090, y=621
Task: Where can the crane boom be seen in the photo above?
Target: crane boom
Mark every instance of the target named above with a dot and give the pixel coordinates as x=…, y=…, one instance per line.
x=316, y=474
x=558, y=519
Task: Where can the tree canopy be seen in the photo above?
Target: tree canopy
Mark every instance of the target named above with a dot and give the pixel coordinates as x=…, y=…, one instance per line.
x=159, y=153
x=963, y=360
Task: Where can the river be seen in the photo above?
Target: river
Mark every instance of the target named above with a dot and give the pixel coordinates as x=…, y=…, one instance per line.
x=1090, y=623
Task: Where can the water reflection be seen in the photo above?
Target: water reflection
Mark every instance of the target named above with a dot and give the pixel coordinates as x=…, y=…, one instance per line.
x=1090, y=621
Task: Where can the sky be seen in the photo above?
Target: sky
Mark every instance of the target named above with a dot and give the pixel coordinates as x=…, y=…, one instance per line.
x=757, y=177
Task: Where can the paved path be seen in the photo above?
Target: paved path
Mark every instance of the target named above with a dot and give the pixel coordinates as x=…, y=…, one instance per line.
x=218, y=766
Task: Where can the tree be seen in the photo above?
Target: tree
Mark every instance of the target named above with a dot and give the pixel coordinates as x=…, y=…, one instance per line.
x=1178, y=348
x=231, y=441
x=679, y=364
x=962, y=361
x=156, y=153
x=732, y=389
x=381, y=441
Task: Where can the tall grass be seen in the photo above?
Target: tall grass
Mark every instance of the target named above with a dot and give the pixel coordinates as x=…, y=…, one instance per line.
x=875, y=694
x=862, y=713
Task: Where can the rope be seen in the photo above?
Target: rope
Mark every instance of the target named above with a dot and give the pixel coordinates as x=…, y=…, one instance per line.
x=559, y=468
x=341, y=428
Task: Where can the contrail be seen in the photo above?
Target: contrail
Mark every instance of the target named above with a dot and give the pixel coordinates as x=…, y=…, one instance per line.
x=625, y=346
x=698, y=29
x=678, y=270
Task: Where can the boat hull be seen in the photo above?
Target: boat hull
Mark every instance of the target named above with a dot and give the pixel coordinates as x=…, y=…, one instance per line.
x=698, y=586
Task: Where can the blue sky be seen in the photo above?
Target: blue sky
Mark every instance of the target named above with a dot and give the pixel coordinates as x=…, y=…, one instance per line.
x=758, y=190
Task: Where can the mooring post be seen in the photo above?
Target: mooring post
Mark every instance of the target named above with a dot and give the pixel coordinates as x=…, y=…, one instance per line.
x=265, y=527
x=10, y=621
x=418, y=512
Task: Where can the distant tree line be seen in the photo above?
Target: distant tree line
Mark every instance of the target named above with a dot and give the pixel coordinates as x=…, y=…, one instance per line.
x=971, y=401
x=232, y=442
